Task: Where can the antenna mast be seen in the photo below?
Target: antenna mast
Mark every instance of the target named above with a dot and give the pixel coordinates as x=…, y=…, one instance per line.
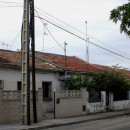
x=87, y=45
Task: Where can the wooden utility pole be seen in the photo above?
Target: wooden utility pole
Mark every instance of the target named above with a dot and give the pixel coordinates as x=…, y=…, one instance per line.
x=32, y=35
x=25, y=66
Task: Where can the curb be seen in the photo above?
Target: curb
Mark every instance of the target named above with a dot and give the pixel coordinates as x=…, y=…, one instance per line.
x=79, y=121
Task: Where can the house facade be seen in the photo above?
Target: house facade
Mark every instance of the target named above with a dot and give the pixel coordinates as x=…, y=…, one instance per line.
x=49, y=72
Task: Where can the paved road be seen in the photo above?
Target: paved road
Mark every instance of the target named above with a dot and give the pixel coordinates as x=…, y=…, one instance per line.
x=118, y=123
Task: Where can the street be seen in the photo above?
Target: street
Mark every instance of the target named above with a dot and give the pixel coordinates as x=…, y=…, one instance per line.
x=118, y=123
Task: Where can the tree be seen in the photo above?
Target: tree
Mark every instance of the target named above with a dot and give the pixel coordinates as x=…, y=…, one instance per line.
x=114, y=82
x=109, y=81
x=122, y=13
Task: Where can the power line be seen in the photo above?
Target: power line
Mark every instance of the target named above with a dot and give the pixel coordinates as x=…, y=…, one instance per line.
x=4, y=6
x=49, y=31
x=64, y=24
x=9, y=2
x=15, y=39
x=83, y=38
x=67, y=30
x=78, y=30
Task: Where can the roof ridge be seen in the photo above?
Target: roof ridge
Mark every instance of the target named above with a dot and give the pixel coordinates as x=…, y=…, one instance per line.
x=52, y=54
x=9, y=50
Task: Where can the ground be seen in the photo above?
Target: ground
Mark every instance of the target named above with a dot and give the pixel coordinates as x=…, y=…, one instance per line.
x=117, y=123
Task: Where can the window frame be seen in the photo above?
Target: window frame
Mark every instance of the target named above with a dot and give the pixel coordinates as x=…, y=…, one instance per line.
x=47, y=96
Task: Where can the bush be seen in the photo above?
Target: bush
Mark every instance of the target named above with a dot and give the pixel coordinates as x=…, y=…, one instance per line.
x=107, y=81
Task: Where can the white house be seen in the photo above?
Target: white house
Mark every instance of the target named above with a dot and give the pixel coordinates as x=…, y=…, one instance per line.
x=49, y=72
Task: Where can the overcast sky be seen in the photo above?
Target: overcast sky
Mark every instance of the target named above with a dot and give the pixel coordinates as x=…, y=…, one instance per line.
x=100, y=29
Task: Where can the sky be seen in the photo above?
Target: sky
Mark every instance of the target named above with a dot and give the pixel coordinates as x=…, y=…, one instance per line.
x=100, y=30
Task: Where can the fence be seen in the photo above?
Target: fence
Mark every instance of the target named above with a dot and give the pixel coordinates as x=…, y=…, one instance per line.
x=119, y=105
x=10, y=106
x=70, y=103
x=96, y=106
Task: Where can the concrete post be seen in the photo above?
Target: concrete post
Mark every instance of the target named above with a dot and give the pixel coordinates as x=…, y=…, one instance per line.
x=84, y=95
x=87, y=97
x=40, y=104
x=128, y=95
x=1, y=90
x=103, y=98
x=110, y=100
x=87, y=102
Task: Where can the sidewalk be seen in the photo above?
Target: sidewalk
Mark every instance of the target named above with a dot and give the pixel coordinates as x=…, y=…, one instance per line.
x=65, y=121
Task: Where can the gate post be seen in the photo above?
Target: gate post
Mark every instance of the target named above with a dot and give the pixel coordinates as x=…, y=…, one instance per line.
x=103, y=98
x=110, y=100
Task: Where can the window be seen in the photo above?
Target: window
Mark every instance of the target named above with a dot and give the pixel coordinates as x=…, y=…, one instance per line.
x=46, y=90
x=19, y=85
x=1, y=83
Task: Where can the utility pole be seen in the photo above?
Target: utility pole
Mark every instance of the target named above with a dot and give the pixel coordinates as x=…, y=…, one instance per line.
x=25, y=66
x=32, y=35
x=65, y=60
x=44, y=33
x=87, y=45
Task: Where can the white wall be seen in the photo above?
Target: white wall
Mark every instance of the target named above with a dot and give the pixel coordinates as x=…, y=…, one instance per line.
x=98, y=106
x=119, y=105
x=11, y=76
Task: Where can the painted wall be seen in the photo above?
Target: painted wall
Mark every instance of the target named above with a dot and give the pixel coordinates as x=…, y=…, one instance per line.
x=119, y=105
x=97, y=106
x=11, y=76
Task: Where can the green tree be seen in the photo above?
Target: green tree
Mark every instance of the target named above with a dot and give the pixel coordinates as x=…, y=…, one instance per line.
x=122, y=14
x=109, y=81
x=112, y=82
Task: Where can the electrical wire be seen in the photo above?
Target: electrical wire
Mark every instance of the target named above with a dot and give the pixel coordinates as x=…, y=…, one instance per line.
x=15, y=39
x=83, y=38
x=69, y=31
x=3, y=6
x=99, y=41
x=64, y=24
x=5, y=2
x=49, y=31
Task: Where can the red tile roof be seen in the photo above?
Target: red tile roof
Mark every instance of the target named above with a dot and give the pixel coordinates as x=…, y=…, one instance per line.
x=72, y=63
x=125, y=72
x=12, y=58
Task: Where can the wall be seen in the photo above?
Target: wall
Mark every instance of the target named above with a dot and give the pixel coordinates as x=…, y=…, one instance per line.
x=70, y=103
x=97, y=106
x=11, y=107
x=119, y=105
x=11, y=76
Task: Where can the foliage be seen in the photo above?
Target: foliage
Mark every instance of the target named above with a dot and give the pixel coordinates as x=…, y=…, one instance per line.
x=78, y=82
x=122, y=13
x=112, y=82
x=107, y=81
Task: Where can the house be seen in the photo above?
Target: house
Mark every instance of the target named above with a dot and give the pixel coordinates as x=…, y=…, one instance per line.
x=49, y=72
